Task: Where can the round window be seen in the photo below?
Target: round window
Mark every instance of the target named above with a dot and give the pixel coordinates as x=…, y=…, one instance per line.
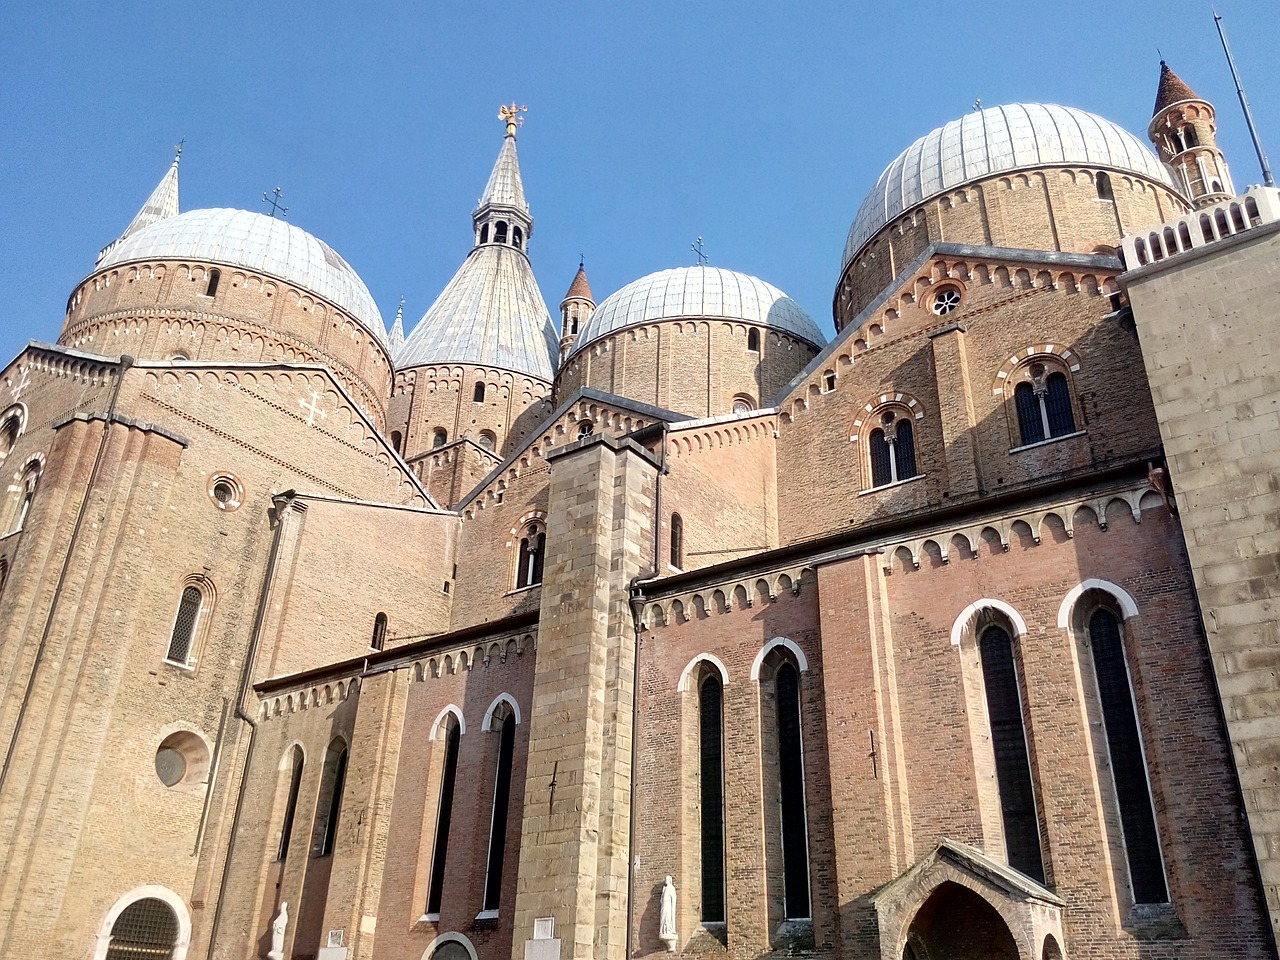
x=586, y=428
x=182, y=761
x=944, y=301
x=225, y=491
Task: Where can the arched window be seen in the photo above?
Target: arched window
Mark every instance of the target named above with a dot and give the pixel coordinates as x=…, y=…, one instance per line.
x=892, y=449
x=529, y=557
x=395, y=441
x=1009, y=744
x=500, y=232
x=711, y=795
x=379, y=638
x=477, y=394
x=10, y=430
x=517, y=237
x=1043, y=405
x=182, y=639
x=444, y=815
x=585, y=429
x=677, y=541
x=330, y=809
x=25, y=495
x=488, y=439
x=1128, y=763
x=1103, y=184
x=791, y=806
x=291, y=804
x=439, y=438
x=212, y=289
x=753, y=340
x=1192, y=138
x=501, y=802
x=573, y=326
x=742, y=404
x=484, y=234
x=147, y=929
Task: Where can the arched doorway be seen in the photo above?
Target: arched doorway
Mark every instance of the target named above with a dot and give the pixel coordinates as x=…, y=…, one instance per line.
x=147, y=929
x=957, y=924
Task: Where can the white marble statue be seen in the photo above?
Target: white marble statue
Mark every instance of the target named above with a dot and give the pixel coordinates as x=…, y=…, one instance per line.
x=667, y=918
x=278, y=926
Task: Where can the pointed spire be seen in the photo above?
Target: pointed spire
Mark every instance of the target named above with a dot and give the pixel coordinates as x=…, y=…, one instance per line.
x=161, y=205
x=580, y=289
x=505, y=188
x=395, y=339
x=1171, y=90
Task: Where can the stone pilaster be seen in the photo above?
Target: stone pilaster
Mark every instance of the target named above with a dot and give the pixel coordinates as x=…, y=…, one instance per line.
x=576, y=821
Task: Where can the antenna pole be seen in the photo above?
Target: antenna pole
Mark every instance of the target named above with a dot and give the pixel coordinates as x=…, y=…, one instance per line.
x=1244, y=105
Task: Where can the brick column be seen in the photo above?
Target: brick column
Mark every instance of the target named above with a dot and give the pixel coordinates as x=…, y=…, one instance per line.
x=574, y=847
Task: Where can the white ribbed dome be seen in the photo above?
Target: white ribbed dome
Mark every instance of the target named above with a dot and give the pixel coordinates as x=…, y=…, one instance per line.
x=992, y=141
x=239, y=238
x=698, y=292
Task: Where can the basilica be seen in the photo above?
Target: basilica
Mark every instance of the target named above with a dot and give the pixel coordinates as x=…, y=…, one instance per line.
x=661, y=624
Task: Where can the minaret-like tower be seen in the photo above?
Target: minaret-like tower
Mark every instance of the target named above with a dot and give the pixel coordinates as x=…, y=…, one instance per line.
x=1185, y=135
x=575, y=308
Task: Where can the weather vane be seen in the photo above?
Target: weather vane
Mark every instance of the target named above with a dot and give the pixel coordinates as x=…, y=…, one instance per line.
x=274, y=200
x=703, y=259
x=511, y=114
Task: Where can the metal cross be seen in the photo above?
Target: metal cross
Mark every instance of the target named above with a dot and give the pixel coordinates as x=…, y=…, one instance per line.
x=977, y=105
x=178, y=147
x=312, y=408
x=703, y=259
x=274, y=200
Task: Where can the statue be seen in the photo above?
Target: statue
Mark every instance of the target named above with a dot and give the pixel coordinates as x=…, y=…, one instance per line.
x=667, y=918
x=278, y=926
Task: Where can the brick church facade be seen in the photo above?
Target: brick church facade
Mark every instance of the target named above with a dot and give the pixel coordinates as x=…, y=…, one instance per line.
x=318, y=640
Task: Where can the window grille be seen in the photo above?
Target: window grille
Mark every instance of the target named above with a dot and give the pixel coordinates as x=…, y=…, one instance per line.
x=711, y=777
x=904, y=449
x=881, y=459
x=1030, y=425
x=146, y=930
x=443, y=817
x=184, y=627
x=795, y=844
x=1128, y=765
x=498, y=825
x=1009, y=744
x=1057, y=402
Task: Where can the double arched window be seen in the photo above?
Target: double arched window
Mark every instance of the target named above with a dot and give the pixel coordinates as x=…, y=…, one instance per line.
x=22, y=495
x=1042, y=400
x=529, y=555
x=10, y=429
x=891, y=447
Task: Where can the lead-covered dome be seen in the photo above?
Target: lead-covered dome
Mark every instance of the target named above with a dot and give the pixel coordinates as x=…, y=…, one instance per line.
x=704, y=292
x=996, y=140
x=239, y=238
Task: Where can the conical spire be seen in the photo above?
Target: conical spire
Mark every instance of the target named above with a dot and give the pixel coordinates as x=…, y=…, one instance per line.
x=505, y=188
x=1171, y=90
x=580, y=289
x=395, y=339
x=161, y=205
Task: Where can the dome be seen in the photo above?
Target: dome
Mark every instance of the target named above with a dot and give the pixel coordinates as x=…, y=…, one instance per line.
x=985, y=143
x=239, y=238
x=698, y=292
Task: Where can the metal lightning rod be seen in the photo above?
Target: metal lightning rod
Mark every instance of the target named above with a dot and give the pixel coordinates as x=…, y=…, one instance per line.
x=1244, y=105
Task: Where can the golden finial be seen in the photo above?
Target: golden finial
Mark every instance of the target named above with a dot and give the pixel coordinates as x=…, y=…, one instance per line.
x=511, y=114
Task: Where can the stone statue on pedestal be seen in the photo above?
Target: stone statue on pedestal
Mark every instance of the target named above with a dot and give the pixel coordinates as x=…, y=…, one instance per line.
x=667, y=918
x=278, y=927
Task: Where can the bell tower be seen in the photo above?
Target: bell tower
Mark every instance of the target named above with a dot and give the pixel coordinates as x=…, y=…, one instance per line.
x=575, y=308
x=1185, y=135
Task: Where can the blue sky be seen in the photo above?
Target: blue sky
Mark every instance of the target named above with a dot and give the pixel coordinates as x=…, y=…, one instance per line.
x=758, y=126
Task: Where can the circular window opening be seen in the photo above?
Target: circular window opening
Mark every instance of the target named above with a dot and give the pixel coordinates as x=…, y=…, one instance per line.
x=741, y=405
x=488, y=440
x=225, y=491
x=182, y=761
x=586, y=428
x=944, y=301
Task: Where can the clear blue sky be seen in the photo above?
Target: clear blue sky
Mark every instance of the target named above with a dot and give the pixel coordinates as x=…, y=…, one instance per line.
x=757, y=126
